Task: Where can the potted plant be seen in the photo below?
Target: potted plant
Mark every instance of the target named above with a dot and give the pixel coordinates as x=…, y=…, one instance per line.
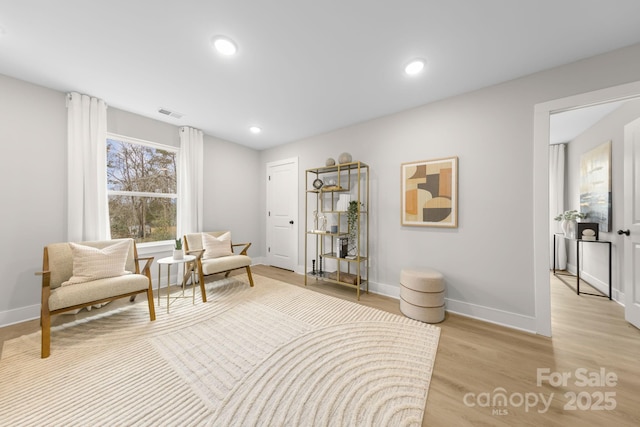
x=353, y=213
x=178, y=253
x=568, y=223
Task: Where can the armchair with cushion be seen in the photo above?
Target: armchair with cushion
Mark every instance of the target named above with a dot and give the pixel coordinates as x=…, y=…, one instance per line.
x=219, y=256
x=78, y=275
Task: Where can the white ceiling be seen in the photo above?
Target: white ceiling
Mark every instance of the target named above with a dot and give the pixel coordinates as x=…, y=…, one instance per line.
x=303, y=67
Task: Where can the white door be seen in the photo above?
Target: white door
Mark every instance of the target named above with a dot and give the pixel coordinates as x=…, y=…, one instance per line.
x=631, y=228
x=282, y=213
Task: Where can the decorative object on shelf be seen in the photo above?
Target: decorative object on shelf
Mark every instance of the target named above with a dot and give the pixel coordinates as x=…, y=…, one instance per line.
x=351, y=279
x=330, y=185
x=569, y=228
x=571, y=215
x=595, y=185
x=178, y=253
x=343, y=202
x=313, y=267
x=353, y=212
x=343, y=247
x=587, y=231
x=344, y=158
x=568, y=223
x=322, y=223
x=330, y=161
x=334, y=228
x=320, y=272
x=429, y=193
x=317, y=183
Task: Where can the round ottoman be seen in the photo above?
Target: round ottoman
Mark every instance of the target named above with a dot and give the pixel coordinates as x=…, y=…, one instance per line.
x=422, y=294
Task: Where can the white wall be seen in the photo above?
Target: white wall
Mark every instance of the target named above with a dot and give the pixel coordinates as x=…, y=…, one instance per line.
x=33, y=132
x=594, y=257
x=488, y=260
x=33, y=129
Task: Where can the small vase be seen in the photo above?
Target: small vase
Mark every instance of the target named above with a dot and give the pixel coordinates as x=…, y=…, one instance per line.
x=569, y=228
x=178, y=254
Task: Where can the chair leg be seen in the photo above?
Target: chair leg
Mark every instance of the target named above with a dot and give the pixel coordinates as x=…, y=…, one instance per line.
x=250, y=277
x=152, y=310
x=203, y=290
x=45, y=321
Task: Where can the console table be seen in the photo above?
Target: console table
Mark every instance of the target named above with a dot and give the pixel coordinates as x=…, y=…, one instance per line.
x=578, y=241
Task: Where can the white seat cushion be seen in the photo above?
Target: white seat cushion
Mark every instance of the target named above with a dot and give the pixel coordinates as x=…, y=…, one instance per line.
x=218, y=265
x=95, y=290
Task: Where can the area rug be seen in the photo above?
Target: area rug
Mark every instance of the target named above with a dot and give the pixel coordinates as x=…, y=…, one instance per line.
x=275, y=354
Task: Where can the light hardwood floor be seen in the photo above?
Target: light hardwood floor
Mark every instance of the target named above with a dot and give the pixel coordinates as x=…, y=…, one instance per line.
x=478, y=360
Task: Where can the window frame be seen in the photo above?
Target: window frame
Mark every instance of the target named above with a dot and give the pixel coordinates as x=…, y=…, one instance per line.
x=161, y=244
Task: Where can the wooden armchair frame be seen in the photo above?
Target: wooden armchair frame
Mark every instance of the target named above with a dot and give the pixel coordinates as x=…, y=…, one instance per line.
x=46, y=313
x=243, y=252
x=197, y=265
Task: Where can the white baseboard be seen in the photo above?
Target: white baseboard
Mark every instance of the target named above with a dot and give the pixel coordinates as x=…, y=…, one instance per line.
x=596, y=283
x=617, y=296
x=486, y=314
x=258, y=260
x=19, y=315
x=492, y=315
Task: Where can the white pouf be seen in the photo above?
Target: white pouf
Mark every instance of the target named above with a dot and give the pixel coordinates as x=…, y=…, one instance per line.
x=422, y=294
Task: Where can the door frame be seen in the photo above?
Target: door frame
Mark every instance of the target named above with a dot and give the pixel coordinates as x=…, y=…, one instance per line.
x=631, y=309
x=295, y=197
x=541, y=254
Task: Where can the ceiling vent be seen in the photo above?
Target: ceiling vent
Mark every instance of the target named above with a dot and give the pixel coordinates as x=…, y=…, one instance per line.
x=170, y=113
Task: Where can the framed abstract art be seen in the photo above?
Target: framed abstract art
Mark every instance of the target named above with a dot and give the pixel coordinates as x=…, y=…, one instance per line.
x=595, y=185
x=430, y=193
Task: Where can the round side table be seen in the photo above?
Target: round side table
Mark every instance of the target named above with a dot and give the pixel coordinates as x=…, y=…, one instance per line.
x=169, y=261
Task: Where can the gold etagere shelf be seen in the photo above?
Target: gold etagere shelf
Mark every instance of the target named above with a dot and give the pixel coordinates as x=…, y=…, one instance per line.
x=329, y=190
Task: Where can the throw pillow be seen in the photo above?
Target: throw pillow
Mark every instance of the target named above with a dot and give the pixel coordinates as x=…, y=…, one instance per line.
x=216, y=247
x=91, y=263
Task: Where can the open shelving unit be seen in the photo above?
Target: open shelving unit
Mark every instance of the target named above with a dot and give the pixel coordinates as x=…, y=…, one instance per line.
x=329, y=191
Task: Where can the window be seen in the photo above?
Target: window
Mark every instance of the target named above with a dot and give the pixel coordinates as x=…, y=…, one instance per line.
x=142, y=189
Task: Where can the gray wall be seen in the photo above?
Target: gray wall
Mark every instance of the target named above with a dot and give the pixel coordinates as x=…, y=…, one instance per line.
x=488, y=260
x=231, y=192
x=594, y=257
x=34, y=140
x=33, y=133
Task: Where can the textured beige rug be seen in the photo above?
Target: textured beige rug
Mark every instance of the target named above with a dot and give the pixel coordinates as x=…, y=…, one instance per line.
x=275, y=354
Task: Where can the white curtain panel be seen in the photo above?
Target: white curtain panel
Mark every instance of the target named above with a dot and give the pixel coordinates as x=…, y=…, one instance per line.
x=190, y=176
x=88, y=207
x=556, y=203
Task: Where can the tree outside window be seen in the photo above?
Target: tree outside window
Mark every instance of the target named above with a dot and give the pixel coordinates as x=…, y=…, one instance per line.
x=142, y=189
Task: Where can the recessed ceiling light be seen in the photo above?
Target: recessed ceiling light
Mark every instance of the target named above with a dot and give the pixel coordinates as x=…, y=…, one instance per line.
x=414, y=67
x=224, y=45
x=255, y=129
